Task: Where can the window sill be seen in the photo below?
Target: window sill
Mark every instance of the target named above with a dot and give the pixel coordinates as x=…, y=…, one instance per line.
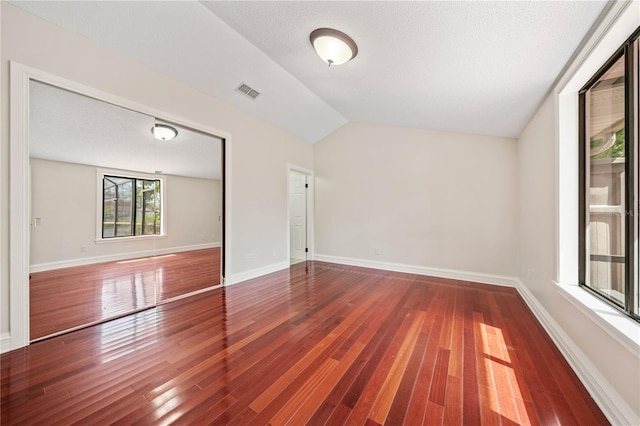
x=625, y=330
x=124, y=239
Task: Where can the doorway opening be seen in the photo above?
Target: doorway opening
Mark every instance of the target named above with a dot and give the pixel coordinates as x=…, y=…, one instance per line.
x=300, y=218
x=146, y=231
x=94, y=245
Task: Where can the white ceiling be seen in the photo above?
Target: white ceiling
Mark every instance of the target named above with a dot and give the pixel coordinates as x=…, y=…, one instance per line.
x=66, y=126
x=474, y=67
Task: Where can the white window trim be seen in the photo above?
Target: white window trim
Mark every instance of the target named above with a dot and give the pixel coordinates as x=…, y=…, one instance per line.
x=613, y=322
x=100, y=174
x=621, y=21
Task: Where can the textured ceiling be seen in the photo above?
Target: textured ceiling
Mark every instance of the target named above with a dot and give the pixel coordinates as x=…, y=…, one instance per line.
x=185, y=41
x=65, y=126
x=474, y=67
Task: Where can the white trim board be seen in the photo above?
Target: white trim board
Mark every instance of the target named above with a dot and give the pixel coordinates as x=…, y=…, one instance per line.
x=476, y=277
x=41, y=267
x=6, y=343
x=616, y=324
x=612, y=405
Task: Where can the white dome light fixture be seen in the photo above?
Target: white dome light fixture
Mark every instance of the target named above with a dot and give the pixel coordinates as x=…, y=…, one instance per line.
x=163, y=132
x=333, y=46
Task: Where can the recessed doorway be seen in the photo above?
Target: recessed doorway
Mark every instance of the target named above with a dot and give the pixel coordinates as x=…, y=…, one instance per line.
x=300, y=218
x=121, y=220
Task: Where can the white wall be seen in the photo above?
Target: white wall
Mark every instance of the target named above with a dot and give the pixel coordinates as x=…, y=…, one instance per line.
x=259, y=151
x=193, y=211
x=63, y=196
x=423, y=198
x=536, y=176
x=601, y=344
x=604, y=363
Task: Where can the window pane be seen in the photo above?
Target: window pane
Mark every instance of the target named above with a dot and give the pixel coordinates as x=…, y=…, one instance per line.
x=124, y=211
x=139, y=206
x=158, y=210
x=108, y=208
x=606, y=184
x=148, y=207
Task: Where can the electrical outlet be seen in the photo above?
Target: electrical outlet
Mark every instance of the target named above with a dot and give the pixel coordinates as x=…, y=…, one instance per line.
x=377, y=251
x=83, y=249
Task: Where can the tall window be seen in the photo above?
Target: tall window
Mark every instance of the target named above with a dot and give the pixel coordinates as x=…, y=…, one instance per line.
x=130, y=207
x=609, y=170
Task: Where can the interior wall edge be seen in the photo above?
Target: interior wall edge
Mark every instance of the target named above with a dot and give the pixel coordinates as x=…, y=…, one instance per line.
x=604, y=394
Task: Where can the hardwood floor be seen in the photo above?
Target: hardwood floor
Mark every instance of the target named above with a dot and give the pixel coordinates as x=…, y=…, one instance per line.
x=65, y=299
x=315, y=344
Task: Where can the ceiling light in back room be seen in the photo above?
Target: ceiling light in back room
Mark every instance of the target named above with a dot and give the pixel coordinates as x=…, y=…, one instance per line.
x=164, y=132
x=333, y=46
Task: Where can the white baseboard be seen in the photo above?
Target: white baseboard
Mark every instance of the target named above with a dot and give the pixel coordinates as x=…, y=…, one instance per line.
x=255, y=273
x=6, y=343
x=476, y=277
x=40, y=267
x=611, y=404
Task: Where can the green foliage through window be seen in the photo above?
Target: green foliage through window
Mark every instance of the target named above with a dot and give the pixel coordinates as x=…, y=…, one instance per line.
x=616, y=150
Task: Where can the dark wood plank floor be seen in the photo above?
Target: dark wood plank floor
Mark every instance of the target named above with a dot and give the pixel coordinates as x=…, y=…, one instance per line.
x=68, y=298
x=316, y=344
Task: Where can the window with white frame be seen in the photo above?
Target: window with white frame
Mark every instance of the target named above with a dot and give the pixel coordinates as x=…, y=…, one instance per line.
x=131, y=206
x=609, y=200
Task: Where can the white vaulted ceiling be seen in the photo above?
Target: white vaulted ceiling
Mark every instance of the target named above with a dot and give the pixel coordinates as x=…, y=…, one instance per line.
x=473, y=67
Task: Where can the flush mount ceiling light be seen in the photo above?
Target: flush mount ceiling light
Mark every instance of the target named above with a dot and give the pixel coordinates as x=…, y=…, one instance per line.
x=163, y=132
x=333, y=46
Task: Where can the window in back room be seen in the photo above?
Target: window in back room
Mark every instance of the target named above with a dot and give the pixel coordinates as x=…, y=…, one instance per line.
x=130, y=206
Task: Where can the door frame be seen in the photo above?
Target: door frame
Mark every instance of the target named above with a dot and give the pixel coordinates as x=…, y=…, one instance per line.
x=309, y=210
x=18, y=286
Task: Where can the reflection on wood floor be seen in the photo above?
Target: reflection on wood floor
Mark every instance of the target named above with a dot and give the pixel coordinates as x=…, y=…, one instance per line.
x=314, y=344
x=69, y=298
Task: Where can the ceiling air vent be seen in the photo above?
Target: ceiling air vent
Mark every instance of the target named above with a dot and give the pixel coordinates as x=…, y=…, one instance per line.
x=247, y=90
